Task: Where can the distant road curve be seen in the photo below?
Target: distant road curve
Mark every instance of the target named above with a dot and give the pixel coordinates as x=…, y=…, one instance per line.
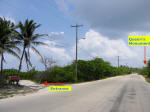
x=128, y=93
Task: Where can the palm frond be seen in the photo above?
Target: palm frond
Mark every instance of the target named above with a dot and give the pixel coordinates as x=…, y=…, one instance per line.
x=37, y=36
x=39, y=43
x=7, y=37
x=10, y=51
x=13, y=47
x=36, y=51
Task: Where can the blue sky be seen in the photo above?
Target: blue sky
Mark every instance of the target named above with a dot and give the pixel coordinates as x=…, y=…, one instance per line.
x=105, y=28
x=46, y=13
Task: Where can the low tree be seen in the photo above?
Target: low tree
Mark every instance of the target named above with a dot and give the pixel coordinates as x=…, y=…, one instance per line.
x=48, y=62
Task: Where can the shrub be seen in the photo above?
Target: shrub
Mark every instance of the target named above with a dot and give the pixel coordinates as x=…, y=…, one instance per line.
x=87, y=70
x=146, y=70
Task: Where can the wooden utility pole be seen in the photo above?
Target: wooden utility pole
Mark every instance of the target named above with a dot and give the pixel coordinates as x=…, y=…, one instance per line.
x=118, y=61
x=76, y=62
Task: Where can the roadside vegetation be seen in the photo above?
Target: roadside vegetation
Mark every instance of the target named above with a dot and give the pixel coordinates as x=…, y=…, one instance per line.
x=87, y=71
x=19, y=39
x=146, y=71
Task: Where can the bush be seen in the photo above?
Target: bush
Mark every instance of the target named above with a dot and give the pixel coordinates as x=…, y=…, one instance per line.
x=146, y=70
x=58, y=74
x=23, y=75
x=30, y=75
x=87, y=70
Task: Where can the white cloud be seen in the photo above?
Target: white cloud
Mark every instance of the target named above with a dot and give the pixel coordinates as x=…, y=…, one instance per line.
x=94, y=45
x=112, y=18
x=59, y=54
x=56, y=35
x=98, y=45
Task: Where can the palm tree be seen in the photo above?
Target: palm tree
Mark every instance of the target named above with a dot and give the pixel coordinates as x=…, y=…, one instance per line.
x=7, y=41
x=29, y=40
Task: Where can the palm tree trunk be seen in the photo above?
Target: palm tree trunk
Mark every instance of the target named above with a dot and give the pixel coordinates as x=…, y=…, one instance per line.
x=1, y=75
x=20, y=65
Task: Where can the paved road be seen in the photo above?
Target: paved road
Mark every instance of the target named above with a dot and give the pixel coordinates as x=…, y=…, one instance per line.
x=119, y=94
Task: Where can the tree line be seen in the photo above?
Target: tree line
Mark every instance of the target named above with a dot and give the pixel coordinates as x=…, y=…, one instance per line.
x=88, y=70
x=146, y=70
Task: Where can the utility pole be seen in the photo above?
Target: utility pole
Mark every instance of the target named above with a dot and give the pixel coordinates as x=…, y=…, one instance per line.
x=76, y=62
x=118, y=61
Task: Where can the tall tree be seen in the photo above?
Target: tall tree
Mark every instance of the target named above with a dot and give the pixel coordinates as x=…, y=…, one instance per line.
x=29, y=40
x=8, y=43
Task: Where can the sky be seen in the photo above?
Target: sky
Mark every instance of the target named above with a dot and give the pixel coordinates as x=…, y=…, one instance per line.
x=106, y=26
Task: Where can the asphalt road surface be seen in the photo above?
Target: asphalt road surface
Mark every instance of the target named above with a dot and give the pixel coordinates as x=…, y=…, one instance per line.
x=118, y=94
